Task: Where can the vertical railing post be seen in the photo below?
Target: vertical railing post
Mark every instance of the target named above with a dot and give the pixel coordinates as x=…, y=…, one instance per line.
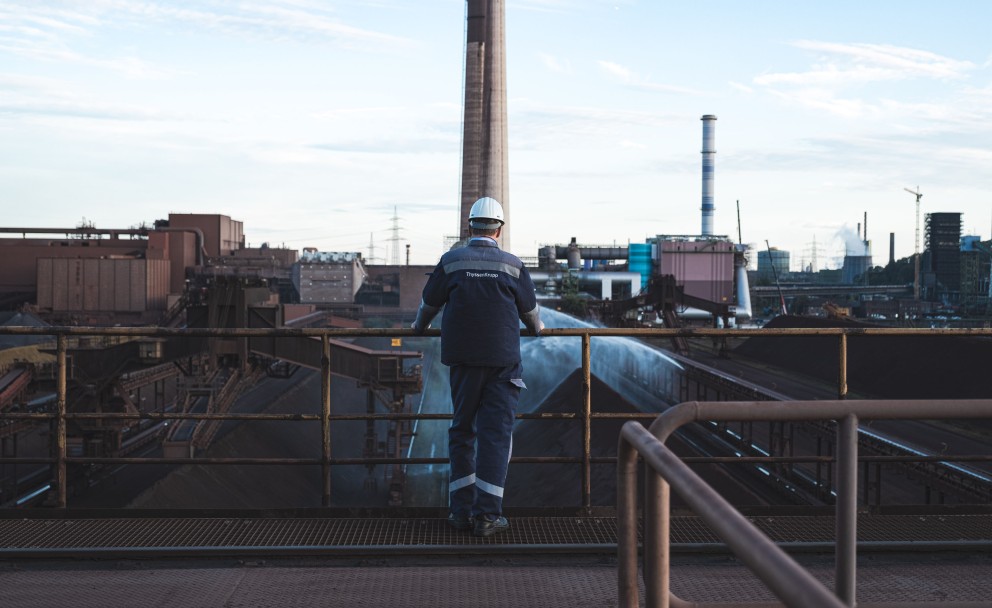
x=657, y=546
x=847, y=509
x=61, y=479
x=819, y=452
x=325, y=417
x=842, y=369
x=627, y=592
x=586, y=422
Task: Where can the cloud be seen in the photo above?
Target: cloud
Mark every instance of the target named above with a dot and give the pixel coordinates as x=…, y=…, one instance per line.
x=632, y=144
x=616, y=69
x=31, y=29
x=839, y=68
x=128, y=66
x=591, y=118
x=422, y=145
x=564, y=6
x=898, y=60
x=841, y=64
x=40, y=96
x=741, y=87
x=554, y=64
x=38, y=20
x=821, y=99
x=77, y=110
x=293, y=19
x=631, y=79
x=542, y=6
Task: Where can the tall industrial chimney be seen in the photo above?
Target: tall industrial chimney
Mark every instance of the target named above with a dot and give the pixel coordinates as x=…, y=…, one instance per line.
x=484, y=141
x=709, y=158
x=892, y=247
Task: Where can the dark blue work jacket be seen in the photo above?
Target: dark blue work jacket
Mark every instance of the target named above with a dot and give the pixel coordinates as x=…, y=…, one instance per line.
x=485, y=293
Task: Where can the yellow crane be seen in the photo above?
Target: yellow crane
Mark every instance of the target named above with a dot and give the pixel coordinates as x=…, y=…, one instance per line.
x=916, y=255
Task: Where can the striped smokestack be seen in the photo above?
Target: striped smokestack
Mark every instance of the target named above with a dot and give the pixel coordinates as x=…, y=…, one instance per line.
x=484, y=140
x=709, y=159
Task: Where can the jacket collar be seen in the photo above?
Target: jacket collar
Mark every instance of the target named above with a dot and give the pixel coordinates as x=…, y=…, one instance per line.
x=482, y=241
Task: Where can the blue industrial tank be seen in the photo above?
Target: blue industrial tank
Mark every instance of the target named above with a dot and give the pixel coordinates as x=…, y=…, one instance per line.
x=639, y=260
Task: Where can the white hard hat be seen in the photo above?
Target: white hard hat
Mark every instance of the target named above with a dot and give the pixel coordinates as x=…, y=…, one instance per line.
x=486, y=214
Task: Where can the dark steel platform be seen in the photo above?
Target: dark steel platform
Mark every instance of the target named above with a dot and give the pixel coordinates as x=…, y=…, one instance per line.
x=562, y=581
x=263, y=535
x=307, y=559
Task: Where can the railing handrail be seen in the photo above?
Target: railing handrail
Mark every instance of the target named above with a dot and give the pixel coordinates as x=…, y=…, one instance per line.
x=65, y=336
x=289, y=332
x=788, y=580
x=657, y=492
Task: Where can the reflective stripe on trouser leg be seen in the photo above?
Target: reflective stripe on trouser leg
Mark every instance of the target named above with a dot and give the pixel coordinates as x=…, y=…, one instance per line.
x=494, y=423
x=458, y=484
x=466, y=394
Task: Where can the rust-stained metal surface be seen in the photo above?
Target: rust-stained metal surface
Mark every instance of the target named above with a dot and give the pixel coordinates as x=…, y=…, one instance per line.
x=117, y=285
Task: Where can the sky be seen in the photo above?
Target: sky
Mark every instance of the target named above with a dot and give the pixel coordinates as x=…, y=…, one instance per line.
x=316, y=123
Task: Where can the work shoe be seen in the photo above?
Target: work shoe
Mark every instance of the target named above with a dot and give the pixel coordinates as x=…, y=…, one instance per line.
x=460, y=522
x=487, y=525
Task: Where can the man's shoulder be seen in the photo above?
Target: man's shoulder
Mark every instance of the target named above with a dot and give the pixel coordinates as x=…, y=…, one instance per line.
x=480, y=254
x=512, y=258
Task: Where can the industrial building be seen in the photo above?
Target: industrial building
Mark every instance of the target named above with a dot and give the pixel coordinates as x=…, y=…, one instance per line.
x=942, y=278
x=86, y=273
x=675, y=278
x=328, y=277
x=148, y=275
x=976, y=274
x=772, y=262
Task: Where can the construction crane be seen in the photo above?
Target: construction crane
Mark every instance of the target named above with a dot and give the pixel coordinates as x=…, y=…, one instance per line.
x=771, y=260
x=916, y=255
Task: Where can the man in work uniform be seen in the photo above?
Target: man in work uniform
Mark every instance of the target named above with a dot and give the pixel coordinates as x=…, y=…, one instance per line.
x=485, y=293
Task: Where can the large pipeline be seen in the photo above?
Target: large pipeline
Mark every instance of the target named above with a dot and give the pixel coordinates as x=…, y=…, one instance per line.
x=604, y=279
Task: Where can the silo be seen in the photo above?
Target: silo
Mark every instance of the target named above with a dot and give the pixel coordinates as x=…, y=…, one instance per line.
x=854, y=267
x=639, y=261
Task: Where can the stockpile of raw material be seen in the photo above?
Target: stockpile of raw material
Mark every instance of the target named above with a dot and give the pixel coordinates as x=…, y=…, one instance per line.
x=534, y=485
x=559, y=485
x=888, y=367
x=270, y=487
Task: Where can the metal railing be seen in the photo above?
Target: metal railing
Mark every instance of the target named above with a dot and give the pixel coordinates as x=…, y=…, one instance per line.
x=789, y=581
x=60, y=460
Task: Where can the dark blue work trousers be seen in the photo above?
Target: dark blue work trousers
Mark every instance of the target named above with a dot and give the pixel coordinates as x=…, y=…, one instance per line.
x=480, y=439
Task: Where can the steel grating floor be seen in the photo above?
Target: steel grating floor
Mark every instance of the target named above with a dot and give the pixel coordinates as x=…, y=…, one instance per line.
x=372, y=535
x=563, y=582
x=560, y=561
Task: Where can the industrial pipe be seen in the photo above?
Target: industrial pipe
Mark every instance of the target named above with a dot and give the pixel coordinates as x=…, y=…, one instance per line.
x=605, y=279
x=201, y=251
x=592, y=253
x=91, y=231
x=114, y=233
